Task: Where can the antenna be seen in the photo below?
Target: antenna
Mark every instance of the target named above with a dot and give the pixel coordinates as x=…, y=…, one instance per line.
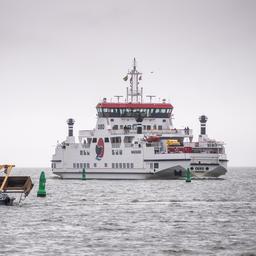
x=118, y=97
x=150, y=97
x=134, y=94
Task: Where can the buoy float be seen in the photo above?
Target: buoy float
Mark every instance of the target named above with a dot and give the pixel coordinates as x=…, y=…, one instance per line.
x=41, y=191
x=188, y=175
x=83, y=174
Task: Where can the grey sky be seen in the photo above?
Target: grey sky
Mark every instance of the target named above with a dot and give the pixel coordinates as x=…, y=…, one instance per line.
x=58, y=58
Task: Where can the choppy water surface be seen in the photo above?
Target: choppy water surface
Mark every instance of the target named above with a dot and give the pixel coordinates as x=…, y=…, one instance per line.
x=150, y=217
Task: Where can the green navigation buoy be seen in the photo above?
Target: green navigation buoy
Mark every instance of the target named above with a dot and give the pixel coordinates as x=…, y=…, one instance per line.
x=188, y=175
x=41, y=191
x=83, y=174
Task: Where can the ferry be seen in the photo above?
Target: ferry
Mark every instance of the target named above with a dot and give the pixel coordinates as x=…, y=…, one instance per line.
x=136, y=139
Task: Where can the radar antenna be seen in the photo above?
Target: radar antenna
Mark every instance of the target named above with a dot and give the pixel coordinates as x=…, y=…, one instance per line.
x=134, y=93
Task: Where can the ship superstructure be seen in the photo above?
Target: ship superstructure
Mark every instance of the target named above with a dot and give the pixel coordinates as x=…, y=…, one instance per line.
x=134, y=139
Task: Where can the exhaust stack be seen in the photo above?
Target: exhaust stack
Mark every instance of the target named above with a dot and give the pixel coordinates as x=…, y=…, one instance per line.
x=70, y=123
x=203, y=119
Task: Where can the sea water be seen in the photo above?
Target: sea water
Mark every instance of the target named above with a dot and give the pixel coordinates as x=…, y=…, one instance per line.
x=133, y=217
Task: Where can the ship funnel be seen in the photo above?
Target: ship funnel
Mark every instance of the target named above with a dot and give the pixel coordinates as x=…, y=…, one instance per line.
x=70, y=123
x=203, y=119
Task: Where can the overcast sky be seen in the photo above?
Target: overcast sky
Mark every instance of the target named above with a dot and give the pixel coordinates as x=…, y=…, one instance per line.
x=59, y=58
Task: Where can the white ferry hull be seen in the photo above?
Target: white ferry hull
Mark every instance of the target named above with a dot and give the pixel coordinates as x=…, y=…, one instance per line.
x=209, y=171
x=175, y=172
x=103, y=175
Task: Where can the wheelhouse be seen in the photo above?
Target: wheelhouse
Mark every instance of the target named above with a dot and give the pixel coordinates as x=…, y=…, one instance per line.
x=146, y=110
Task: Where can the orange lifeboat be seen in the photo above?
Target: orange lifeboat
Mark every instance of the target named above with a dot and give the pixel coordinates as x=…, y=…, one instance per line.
x=153, y=138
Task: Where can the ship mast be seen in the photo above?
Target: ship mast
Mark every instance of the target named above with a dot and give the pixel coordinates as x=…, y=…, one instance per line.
x=134, y=94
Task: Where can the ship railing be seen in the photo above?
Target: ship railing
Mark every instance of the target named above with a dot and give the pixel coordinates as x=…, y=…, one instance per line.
x=85, y=133
x=174, y=132
x=203, y=145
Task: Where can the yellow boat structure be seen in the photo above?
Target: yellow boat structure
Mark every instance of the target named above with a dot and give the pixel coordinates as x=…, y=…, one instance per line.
x=13, y=184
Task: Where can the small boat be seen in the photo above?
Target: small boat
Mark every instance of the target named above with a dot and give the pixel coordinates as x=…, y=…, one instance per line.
x=13, y=185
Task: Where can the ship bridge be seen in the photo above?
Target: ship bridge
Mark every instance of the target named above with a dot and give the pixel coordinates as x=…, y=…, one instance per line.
x=134, y=105
x=145, y=110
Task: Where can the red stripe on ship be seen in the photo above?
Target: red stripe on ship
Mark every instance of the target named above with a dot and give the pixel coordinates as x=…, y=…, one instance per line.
x=134, y=105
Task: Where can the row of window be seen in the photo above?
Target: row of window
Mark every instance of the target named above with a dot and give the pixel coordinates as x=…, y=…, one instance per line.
x=114, y=165
x=122, y=165
x=101, y=126
x=129, y=110
x=150, y=113
x=81, y=165
x=129, y=127
x=154, y=165
x=134, y=127
x=136, y=151
x=84, y=153
x=117, y=152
